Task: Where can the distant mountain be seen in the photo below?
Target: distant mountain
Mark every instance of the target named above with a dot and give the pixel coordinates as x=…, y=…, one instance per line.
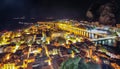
x=105, y=11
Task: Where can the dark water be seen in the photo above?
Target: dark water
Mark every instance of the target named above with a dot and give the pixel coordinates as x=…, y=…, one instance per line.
x=14, y=24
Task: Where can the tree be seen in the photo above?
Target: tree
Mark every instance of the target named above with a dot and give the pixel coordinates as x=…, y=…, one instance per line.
x=78, y=63
x=71, y=63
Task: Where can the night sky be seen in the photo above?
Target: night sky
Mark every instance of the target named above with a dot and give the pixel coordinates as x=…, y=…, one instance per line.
x=46, y=8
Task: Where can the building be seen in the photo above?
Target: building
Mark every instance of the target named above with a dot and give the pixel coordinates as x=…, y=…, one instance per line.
x=9, y=66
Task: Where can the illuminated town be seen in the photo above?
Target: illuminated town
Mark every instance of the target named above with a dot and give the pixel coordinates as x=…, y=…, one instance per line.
x=61, y=44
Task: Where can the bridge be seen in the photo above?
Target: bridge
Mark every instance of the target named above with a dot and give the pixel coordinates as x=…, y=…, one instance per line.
x=95, y=37
x=110, y=41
